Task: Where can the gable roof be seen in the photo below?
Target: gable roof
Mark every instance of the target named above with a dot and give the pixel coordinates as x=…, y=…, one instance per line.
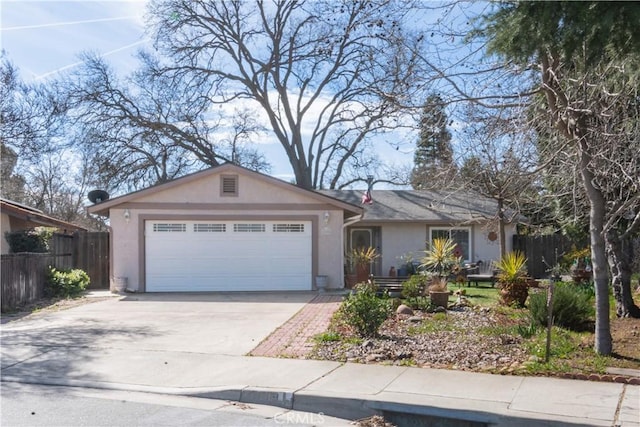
x=34, y=216
x=421, y=206
x=102, y=208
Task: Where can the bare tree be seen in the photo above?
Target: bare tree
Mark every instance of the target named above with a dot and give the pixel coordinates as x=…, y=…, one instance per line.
x=12, y=182
x=150, y=128
x=29, y=114
x=499, y=161
x=328, y=74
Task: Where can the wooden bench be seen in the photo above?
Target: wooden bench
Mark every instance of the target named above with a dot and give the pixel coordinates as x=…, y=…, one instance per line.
x=393, y=285
x=485, y=278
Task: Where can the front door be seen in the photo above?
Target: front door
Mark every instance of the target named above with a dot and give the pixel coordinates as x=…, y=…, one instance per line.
x=361, y=238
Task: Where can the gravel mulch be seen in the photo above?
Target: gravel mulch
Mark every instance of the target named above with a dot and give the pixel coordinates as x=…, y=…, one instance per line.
x=464, y=338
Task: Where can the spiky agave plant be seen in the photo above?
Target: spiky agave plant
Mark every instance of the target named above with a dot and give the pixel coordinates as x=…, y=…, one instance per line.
x=512, y=278
x=440, y=256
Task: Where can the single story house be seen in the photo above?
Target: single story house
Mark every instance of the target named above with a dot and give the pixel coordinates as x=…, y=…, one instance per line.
x=400, y=223
x=231, y=229
x=17, y=216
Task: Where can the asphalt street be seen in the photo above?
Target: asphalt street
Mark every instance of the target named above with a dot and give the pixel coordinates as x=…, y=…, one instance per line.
x=40, y=405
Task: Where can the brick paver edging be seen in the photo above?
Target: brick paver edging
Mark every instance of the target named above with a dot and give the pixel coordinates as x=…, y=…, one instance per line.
x=295, y=337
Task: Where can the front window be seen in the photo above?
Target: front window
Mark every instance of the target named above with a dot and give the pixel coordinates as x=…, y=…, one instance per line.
x=460, y=235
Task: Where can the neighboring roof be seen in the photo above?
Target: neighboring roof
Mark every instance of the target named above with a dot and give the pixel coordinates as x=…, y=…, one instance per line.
x=102, y=208
x=420, y=206
x=35, y=216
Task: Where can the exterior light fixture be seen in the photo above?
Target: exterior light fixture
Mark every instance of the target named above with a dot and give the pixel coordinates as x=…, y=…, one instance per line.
x=127, y=215
x=325, y=217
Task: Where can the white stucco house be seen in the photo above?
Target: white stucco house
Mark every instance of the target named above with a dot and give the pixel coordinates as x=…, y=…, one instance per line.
x=231, y=229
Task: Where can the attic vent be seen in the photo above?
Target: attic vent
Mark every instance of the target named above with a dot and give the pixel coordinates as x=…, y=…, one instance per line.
x=229, y=185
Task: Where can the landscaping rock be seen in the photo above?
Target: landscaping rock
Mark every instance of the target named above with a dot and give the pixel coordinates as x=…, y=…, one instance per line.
x=367, y=344
x=436, y=349
x=404, y=309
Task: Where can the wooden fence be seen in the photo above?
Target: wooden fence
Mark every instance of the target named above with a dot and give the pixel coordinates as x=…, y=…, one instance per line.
x=91, y=254
x=24, y=274
x=541, y=249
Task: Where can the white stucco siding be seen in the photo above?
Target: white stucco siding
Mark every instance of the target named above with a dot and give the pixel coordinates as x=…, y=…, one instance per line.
x=483, y=248
x=401, y=239
x=201, y=199
x=487, y=250
x=124, y=247
x=207, y=190
x=330, y=252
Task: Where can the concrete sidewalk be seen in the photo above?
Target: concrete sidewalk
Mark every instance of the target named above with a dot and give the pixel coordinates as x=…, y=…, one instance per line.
x=348, y=391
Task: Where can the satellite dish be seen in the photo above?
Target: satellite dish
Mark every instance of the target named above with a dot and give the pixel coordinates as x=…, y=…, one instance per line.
x=97, y=196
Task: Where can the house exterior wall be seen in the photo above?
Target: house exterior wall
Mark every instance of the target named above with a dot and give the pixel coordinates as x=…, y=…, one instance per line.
x=483, y=248
x=400, y=239
x=6, y=226
x=201, y=200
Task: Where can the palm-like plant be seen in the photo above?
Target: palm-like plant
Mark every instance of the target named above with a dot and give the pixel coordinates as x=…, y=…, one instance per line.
x=512, y=278
x=364, y=255
x=440, y=256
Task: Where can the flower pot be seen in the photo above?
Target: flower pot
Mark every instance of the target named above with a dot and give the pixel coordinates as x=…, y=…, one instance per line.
x=439, y=299
x=362, y=273
x=514, y=293
x=322, y=282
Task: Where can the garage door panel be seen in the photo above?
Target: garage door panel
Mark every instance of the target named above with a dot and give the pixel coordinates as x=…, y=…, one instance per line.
x=263, y=255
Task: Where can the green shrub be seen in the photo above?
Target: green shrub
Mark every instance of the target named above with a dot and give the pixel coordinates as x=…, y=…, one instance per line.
x=528, y=330
x=418, y=303
x=413, y=286
x=67, y=283
x=572, y=306
x=364, y=311
x=327, y=337
x=33, y=240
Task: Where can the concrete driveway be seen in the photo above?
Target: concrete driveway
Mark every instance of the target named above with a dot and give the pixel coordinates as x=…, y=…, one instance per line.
x=208, y=323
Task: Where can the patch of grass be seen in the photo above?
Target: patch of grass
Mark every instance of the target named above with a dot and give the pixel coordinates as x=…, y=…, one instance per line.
x=563, y=343
x=512, y=313
x=437, y=323
x=484, y=297
x=570, y=352
x=328, y=336
x=497, y=330
x=407, y=362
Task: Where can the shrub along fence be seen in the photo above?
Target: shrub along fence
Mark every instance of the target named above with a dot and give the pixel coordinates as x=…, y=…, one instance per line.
x=24, y=275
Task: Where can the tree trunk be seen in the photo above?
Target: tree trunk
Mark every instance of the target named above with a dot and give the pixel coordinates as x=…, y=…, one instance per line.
x=603, y=341
x=620, y=276
x=503, y=239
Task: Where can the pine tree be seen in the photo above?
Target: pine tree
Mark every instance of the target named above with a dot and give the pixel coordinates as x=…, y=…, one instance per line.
x=433, y=158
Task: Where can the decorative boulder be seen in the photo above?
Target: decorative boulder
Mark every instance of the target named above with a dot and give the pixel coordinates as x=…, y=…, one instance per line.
x=404, y=309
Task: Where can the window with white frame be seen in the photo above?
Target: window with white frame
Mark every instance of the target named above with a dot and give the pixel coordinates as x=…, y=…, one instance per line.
x=460, y=235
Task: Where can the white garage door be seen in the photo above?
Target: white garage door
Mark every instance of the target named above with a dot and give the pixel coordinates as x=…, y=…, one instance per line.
x=186, y=256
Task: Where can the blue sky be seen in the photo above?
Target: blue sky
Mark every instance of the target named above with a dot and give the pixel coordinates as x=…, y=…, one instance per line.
x=43, y=39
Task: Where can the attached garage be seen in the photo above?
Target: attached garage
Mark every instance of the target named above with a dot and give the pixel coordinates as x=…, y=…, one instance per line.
x=188, y=256
x=226, y=228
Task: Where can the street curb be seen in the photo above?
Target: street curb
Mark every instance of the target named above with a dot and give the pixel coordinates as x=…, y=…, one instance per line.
x=335, y=406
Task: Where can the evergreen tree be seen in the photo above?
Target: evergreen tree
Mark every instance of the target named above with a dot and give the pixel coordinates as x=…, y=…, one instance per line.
x=433, y=158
